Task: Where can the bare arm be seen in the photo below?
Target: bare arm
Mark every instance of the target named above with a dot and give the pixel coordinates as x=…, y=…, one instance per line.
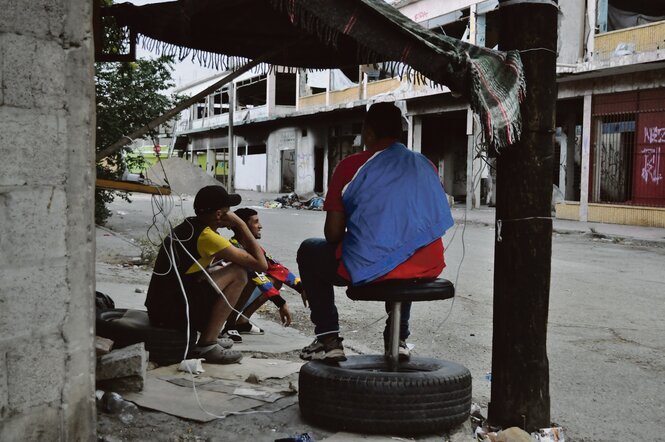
x=252, y=257
x=335, y=226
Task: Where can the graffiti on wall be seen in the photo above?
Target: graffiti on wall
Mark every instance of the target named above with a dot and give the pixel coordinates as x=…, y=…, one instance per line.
x=651, y=171
x=651, y=165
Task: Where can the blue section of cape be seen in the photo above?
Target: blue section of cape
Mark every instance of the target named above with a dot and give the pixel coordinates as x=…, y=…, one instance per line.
x=395, y=204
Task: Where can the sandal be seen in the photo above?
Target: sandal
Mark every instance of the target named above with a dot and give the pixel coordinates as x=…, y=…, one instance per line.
x=249, y=329
x=215, y=354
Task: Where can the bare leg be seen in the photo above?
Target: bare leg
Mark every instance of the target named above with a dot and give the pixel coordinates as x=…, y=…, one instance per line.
x=240, y=303
x=254, y=306
x=231, y=280
x=251, y=309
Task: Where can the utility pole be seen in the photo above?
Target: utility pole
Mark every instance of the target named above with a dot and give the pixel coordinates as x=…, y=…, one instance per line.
x=523, y=242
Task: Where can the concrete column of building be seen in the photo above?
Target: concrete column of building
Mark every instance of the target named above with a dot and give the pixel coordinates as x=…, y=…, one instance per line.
x=231, y=154
x=210, y=158
x=47, y=244
x=416, y=137
x=590, y=39
x=562, y=139
x=271, y=84
x=329, y=87
x=586, y=158
x=298, y=90
x=570, y=128
x=469, y=159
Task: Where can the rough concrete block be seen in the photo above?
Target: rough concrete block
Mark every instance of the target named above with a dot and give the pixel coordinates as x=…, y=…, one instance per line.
x=32, y=299
x=35, y=372
x=123, y=362
x=36, y=81
x=127, y=384
x=36, y=424
x=41, y=18
x=33, y=148
x=103, y=346
x=34, y=226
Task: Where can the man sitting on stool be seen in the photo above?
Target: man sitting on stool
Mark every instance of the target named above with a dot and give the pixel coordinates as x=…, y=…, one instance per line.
x=386, y=212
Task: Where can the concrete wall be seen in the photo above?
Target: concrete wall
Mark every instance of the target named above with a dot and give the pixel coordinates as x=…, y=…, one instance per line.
x=251, y=172
x=46, y=221
x=571, y=31
x=279, y=140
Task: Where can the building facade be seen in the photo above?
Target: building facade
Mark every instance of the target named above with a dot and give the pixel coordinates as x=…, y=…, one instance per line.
x=291, y=128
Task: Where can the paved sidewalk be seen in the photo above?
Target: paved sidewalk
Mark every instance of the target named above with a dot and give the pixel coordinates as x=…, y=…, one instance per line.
x=643, y=235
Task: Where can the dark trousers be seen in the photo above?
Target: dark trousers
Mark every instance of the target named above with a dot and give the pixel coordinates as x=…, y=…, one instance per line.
x=318, y=270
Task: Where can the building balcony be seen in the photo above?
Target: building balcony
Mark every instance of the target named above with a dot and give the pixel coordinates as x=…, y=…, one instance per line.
x=648, y=38
x=349, y=95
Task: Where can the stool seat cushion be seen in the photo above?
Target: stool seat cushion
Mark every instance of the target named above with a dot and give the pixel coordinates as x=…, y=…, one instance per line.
x=401, y=290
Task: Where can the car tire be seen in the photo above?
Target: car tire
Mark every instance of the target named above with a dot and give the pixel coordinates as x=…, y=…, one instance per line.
x=424, y=396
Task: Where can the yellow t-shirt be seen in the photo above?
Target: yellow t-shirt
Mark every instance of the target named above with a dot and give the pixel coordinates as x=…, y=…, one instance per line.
x=208, y=245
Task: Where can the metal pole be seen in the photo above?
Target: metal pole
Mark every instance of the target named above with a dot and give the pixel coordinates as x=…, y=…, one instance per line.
x=231, y=166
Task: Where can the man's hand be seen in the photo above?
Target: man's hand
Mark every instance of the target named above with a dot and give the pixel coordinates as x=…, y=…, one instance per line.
x=303, y=295
x=231, y=221
x=285, y=315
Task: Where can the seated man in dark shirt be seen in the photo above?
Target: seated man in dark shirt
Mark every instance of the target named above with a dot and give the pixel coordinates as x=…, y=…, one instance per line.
x=180, y=292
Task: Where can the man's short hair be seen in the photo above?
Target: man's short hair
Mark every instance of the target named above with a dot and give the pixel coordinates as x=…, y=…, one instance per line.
x=385, y=120
x=245, y=213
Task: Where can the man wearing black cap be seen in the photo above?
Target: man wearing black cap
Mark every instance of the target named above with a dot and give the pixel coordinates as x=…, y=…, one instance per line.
x=178, y=275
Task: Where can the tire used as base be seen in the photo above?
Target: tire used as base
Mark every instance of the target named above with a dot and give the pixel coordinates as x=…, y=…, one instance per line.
x=424, y=396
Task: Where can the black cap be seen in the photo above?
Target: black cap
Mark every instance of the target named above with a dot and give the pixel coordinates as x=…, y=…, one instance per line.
x=211, y=198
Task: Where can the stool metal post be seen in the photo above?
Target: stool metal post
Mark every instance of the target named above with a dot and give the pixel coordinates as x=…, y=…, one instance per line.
x=395, y=316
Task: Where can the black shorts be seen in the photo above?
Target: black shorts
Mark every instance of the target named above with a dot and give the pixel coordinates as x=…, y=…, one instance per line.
x=201, y=297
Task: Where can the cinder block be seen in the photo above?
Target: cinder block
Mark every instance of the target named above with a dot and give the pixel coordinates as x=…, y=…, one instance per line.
x=36, y=372
x=33, y=148
x=123, y=362
x=35, y=81
x=32, y=299
x=127, y=384
x=34, y=225
x=41, y=18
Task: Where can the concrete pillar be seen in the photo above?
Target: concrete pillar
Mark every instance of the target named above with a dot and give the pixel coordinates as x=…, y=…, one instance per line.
x=469, y=159
x=47, y=269
x=271, y=82
x=416, y=138
x=591, y=19
x=570, y=128
x=586, y=158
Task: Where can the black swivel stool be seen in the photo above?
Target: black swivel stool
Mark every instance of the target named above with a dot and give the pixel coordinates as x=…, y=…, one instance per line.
x=398, y=291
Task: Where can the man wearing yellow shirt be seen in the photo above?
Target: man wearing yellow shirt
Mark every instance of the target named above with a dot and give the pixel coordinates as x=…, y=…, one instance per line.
x=196, y=238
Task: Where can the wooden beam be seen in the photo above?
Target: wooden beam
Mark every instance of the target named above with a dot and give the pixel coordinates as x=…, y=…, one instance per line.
x=132, y=186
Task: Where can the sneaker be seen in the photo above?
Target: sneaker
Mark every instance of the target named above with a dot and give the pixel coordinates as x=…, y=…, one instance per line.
x=215, y=354
x=333, y=351
x=249, y=329
x=233, y=335
x=403, y=351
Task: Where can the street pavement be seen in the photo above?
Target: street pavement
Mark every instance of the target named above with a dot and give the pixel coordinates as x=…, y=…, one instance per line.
x=127, y=283
x=487, y=216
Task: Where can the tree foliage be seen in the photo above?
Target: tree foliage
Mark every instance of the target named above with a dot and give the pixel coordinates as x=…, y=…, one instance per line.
x=129, y=95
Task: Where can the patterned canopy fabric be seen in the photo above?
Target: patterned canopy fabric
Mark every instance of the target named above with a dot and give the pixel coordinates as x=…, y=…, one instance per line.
x=321, y=34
